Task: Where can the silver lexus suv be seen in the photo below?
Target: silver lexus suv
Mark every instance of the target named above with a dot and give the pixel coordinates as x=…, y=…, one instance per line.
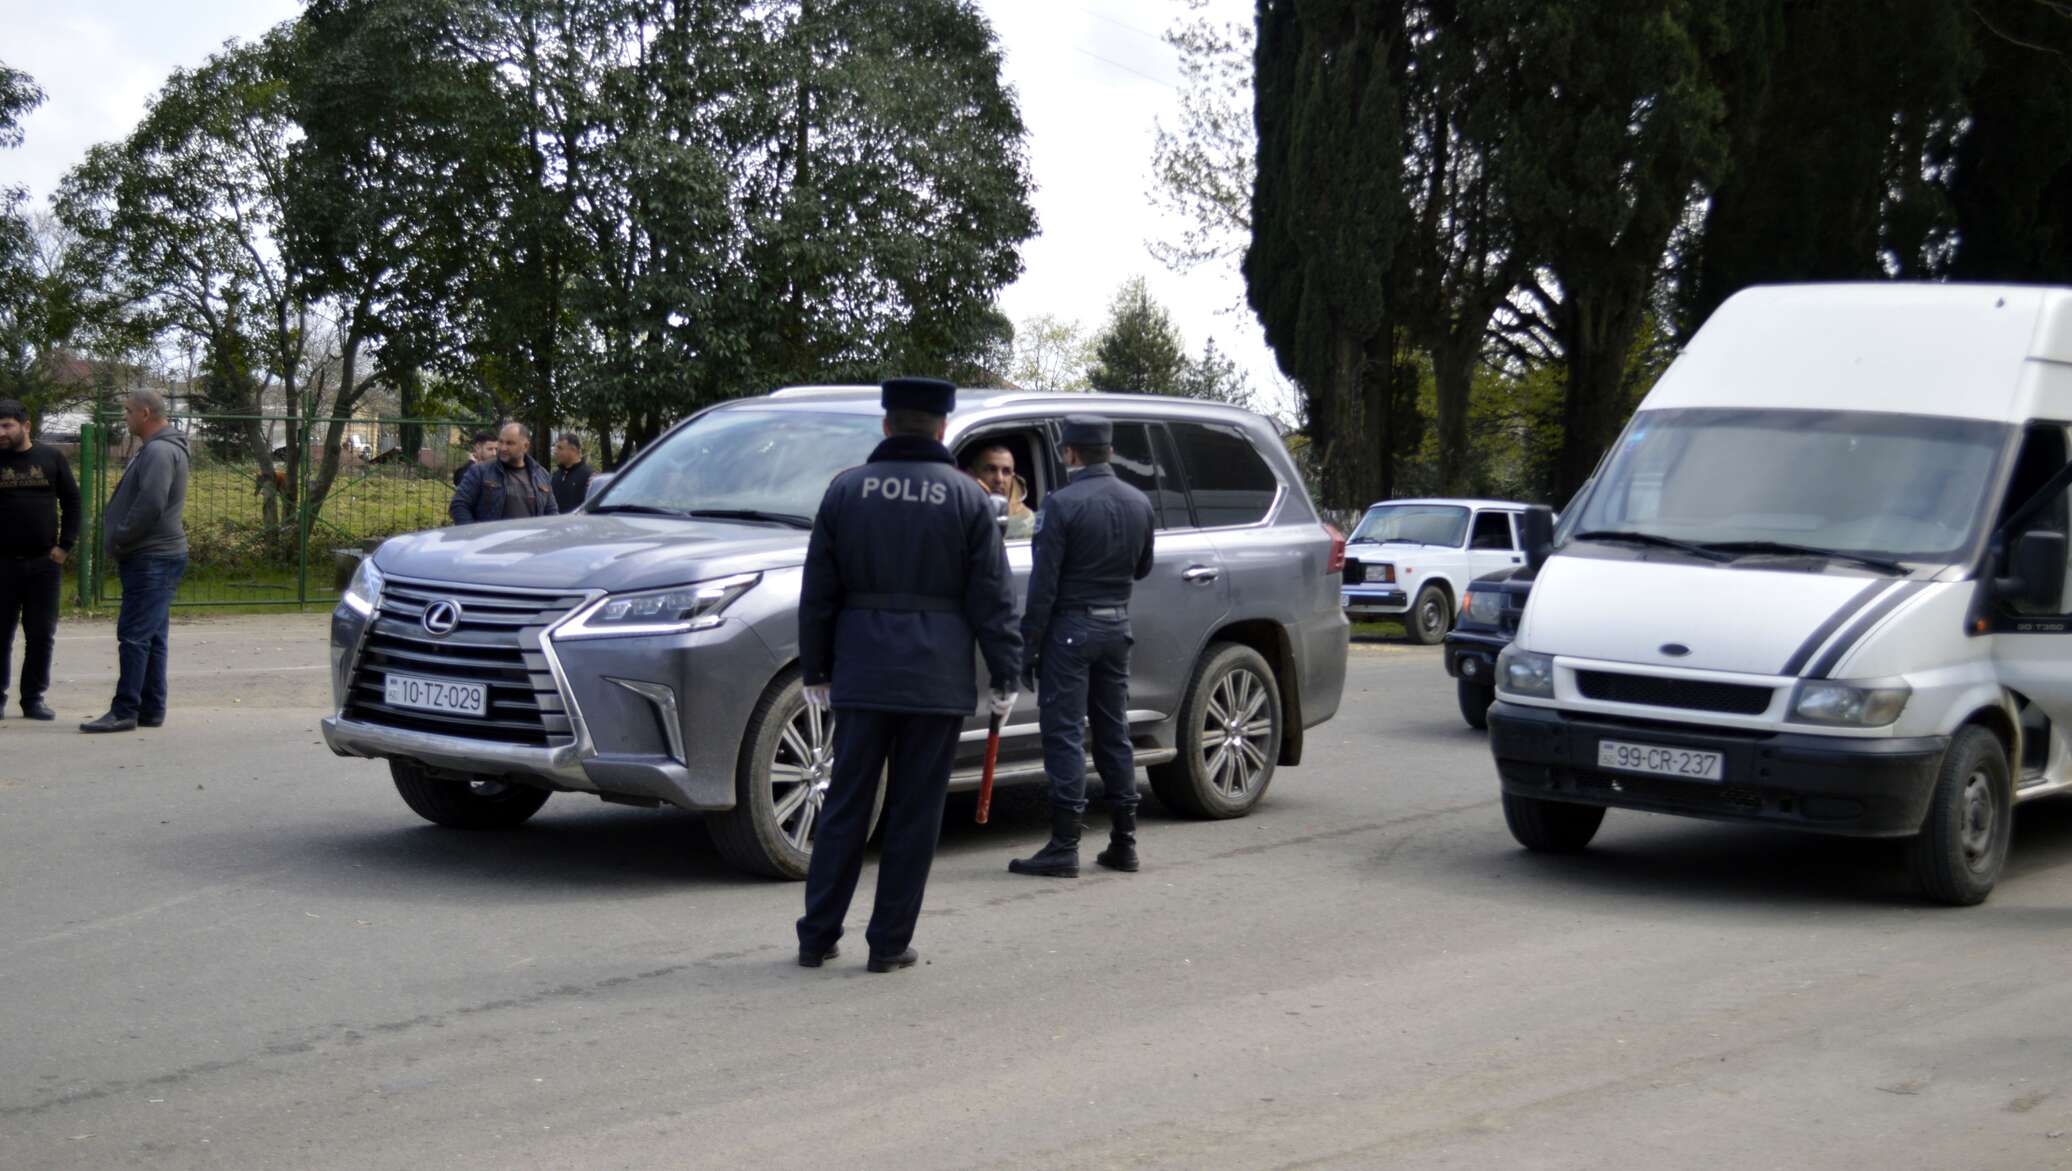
x=645, y=648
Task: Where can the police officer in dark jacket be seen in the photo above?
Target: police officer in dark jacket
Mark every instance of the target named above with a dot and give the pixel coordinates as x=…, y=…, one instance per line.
x=1093, y=542
x=905, y=567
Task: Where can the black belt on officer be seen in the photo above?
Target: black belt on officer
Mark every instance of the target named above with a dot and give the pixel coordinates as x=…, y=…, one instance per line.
x=923, y=602
x=1111, y=612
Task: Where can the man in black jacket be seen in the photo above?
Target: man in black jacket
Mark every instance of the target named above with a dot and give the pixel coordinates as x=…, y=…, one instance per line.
x=904, y=568
x=1093, y=543
x=571, y=474
x=39, y=521
x=510, y=487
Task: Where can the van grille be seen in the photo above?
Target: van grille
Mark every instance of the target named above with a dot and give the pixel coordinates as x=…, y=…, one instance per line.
x=1739, y=699
x=497, y=642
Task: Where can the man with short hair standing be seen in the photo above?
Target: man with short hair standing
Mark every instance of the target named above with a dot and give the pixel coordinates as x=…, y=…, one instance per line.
x=481, y=450
x=149, y=543
x=513, y=486
x=39, y=520
x=905, y=568
x=1093, y=542
x=571, y=474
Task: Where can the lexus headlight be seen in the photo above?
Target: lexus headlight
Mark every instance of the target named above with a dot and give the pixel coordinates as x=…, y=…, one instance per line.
x=1485, y=607
x=1521, y=672
x=672, y=611
x=1852, y=705
x=363, y=593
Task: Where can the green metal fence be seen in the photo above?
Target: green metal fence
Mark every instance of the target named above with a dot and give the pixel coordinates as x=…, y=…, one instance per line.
x=274, y=531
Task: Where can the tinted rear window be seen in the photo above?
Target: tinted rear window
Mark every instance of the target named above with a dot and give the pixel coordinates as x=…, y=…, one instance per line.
x=1231, y=484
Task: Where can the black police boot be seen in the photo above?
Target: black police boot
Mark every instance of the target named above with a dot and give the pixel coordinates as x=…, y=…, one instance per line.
x=1059, y=858
x=1121, y=853
x=36, y=709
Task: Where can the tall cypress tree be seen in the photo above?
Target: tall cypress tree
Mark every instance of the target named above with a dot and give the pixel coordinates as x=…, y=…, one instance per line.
x=2011, y=182
x=1327, y=212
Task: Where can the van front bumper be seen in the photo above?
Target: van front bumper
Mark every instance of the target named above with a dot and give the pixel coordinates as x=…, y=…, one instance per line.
x=1872, y=788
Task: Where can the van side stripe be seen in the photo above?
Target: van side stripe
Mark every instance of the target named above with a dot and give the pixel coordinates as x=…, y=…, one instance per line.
x=1833, y=623
x=1844, y=644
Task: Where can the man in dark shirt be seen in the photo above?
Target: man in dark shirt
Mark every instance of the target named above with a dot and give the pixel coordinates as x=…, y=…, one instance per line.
x=39, y=521
x=1093, y=543
x=571, y=474
x=510, y=487
x=480, y=451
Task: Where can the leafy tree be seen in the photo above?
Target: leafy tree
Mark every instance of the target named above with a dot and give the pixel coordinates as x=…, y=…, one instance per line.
x=1139, y=351
x=2010, y=177
x=1202, y=169
x=1215, y=377
x=1327, y=215
x=1052, y=354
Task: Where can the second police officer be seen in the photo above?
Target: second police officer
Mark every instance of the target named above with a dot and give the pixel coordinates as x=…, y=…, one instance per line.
x=904, y=569
x=1093, y=542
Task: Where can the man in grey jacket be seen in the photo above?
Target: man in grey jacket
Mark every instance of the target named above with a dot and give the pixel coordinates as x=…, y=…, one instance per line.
x=149, y=544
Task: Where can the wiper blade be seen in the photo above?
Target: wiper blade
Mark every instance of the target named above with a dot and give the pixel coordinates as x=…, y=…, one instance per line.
x=1654, y=539
x=1754, y=548
x=783, y=518
x=641, y=509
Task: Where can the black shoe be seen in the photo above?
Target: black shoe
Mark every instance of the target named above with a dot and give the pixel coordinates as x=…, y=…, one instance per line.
x=157, y=721
x=904, y=959
x=110, y=723
x=1059, y=857
x=1121, y=853
x=36, y=709
x=813, y=959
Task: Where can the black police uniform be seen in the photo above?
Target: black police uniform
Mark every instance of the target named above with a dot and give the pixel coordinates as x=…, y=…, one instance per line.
x=905, y=567
x=1093, y=541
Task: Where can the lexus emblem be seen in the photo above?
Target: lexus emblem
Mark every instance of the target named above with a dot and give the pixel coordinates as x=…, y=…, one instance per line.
x=441, y=617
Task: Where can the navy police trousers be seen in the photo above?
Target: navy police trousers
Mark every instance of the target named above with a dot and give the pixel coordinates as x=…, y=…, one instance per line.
x=1083, y=683
x=920, y=750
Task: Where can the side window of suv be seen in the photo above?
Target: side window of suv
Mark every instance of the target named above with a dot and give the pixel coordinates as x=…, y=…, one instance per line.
x=1492, y=531
x=1138, y=466
x=1229, y=482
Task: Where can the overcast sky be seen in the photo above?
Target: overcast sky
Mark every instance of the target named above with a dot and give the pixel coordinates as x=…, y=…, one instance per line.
x=1092, y=77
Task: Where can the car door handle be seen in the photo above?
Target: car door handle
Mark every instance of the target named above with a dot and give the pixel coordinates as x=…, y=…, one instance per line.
x=1200, y=573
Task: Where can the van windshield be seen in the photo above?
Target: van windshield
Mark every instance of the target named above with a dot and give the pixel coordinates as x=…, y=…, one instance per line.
x=1420, y=524
x=1899, y=487
x=753, y=464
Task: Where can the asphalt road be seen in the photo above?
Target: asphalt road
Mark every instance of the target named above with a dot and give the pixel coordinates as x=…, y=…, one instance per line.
x=220, y=946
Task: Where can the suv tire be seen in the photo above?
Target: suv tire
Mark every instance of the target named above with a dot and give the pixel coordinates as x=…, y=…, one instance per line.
x=1957, y=856
x=1475, y=699
x=787, y=745
x=1551, y=827
x=1207, y=779
x=1430, y=617
x=472, y=804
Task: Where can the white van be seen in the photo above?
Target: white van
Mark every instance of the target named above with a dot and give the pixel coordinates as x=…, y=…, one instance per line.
x=1819, y=582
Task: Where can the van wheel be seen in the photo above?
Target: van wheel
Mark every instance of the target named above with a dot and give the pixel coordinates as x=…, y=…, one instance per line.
x=1230, y=736
x=1956, y=858
x=1551, y=827
x=780, y=784
x=1474, y=702
x=1430, y=618
x=468, y=804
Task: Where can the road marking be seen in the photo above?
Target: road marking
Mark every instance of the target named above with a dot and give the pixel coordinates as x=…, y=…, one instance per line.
x=106, y=676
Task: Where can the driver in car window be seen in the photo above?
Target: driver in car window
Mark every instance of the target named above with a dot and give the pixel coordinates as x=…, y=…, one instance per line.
x=992, y=465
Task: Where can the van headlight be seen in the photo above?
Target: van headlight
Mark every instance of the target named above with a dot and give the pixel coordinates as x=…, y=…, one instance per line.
x=1852, y=705
x=676, y=610
x=363, y=593
x=1522, y=672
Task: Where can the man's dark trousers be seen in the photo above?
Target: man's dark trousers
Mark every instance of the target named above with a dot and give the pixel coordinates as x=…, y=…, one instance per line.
x=140, y=633
x=29, y=594
x=1085, y=675
x=920, y=750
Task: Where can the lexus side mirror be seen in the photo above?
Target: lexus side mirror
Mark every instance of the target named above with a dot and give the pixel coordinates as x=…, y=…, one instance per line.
x=1536, y=534
x=999, y=510
x=2038, y=566
x=597, y=482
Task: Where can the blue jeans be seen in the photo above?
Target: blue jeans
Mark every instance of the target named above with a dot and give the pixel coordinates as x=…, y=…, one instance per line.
x=140, y=629
x=1082, y=685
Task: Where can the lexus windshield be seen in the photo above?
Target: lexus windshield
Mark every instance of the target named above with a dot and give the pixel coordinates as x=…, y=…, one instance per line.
x=1416, y=524
x=1856, y=483
x=745, y=465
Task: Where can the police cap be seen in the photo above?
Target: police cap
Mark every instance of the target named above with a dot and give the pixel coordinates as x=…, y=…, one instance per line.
x=931, y=395
x=1088, y=431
